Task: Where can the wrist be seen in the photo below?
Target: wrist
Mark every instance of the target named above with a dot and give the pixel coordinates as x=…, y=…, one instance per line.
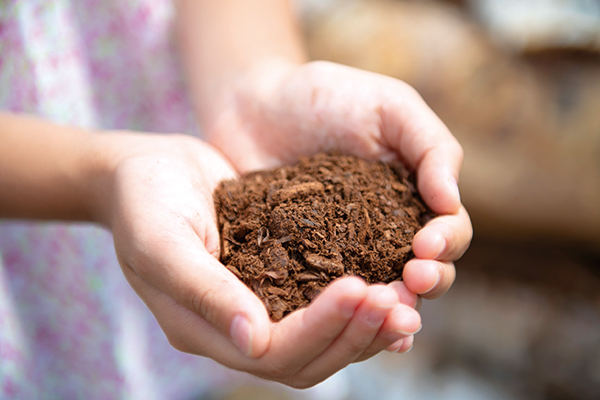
x=245, y=92
x=96, y=165
x=44, y=170
x=103, y=154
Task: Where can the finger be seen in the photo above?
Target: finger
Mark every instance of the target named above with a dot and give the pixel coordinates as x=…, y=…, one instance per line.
x=402, y=346
x=186, y=330
x=295, y=342
x=428, y=278
x=401, y=323
x=357, y=336
x=305, y=334
x=437, y=177
x=187, y=273
x=405, y=296
x=444, y=238
x=394, y=347
x=425, y=144
x=158, y=242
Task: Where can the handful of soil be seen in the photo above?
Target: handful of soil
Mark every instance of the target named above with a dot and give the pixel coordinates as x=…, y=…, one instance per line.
x=288, y=232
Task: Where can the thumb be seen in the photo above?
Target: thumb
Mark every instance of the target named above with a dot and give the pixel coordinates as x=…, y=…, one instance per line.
x=227, y=304
x=425, y=143
x=194, y=278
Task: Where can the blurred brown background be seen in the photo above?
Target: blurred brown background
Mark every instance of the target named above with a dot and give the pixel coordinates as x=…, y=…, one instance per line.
x=518, y=83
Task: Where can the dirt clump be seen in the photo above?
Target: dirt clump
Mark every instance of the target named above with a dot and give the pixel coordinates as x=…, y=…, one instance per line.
x=290, y=231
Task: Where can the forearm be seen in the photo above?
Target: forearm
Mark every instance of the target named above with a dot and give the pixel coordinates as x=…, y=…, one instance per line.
x=43, y=170
x=219, y=40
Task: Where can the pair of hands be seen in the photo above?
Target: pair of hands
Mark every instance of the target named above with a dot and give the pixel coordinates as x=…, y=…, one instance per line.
x=157, y=199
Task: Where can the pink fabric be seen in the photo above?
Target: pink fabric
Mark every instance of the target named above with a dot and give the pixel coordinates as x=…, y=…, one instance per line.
x=70, y=326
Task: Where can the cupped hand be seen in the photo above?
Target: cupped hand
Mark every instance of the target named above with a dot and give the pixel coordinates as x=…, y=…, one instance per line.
x=279, y=111
x=155, y=193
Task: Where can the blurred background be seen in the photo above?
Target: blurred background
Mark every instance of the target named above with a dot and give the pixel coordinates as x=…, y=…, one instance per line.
x=518, y=83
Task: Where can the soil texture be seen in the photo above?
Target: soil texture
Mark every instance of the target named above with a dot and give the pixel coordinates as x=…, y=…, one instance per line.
x=290, y=231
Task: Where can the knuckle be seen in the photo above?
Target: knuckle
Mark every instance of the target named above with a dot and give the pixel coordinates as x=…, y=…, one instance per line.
x=203, y=303
x=356, y=346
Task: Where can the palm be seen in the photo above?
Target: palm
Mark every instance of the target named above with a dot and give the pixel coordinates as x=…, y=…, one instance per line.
x=167, y=241
x=165, y=233
x=285, y=111
x=307, y=110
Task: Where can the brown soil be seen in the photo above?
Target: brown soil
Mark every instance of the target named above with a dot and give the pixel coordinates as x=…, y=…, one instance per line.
x=290, y=231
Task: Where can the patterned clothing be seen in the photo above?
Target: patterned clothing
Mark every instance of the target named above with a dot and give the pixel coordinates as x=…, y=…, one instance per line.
x=70, y=326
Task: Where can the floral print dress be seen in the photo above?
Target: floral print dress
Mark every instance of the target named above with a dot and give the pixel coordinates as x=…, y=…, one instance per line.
x=70, y=326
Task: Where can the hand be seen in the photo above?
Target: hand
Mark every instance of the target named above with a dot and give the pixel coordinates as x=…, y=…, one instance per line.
x=157, y=199
x=279, y=111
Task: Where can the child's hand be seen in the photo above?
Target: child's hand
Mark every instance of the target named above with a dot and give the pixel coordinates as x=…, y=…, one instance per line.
x=280, y=111
x=157, y=199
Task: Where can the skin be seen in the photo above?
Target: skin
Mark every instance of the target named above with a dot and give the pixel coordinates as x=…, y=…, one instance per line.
x=154, y=192
x=265, y=106
x=260, y=105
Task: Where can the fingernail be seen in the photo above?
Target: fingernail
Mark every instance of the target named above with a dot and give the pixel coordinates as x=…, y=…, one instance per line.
x=442, y=249
x=240, y=331
x=454, y=186
x=406, y=351
x=417, y=303
x=409, y=333
x=439, y=277
x=396, y=346
x=377, y=315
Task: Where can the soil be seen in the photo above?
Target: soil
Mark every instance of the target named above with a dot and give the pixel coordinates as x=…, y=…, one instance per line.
x=288, y=232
